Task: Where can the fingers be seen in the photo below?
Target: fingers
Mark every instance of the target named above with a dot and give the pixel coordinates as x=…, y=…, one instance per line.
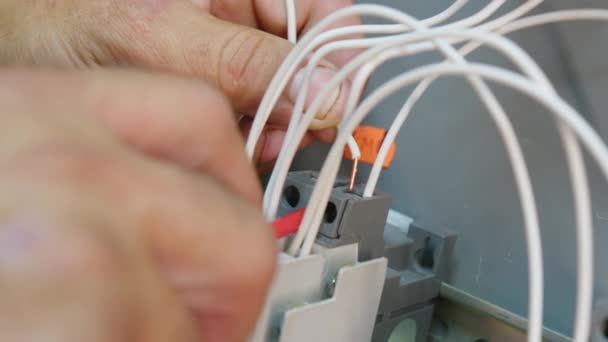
x=178, y=36
x=272, y=17
x=186, y=237
x=65, y=275
x=271, y=142
x=183, y=121
x=217, y=252
x=239, y=12
x=239, y=60
x=323, y=8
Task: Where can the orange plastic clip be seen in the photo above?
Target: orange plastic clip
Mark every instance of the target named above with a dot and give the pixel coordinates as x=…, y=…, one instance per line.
x=370, y=139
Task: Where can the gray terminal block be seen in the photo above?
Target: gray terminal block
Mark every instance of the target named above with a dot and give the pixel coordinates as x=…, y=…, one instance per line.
x=418, y=261
x=349, y=217
x=418, y=258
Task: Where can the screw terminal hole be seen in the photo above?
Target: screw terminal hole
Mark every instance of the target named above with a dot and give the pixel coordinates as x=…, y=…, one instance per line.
x=331, y=213
x=439, y=329
x=291, y=194
x=406, y=330
x=426, y=255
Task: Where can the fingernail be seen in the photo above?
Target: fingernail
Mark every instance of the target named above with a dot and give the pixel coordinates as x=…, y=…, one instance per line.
x=320, y=77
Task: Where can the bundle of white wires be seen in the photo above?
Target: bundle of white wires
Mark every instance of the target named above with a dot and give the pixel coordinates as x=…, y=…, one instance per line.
x=407, y=36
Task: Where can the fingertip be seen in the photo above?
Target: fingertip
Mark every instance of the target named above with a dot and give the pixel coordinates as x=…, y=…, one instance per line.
x=335, y=109
x=325, y=135
x=331, y=111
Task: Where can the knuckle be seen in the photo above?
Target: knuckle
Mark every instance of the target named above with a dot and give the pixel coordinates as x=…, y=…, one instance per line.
x=207, y=109
x=215, y=105
x=242, y=58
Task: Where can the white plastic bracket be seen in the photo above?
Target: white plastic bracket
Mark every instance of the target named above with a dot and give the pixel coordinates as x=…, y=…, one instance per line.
x=328, y=296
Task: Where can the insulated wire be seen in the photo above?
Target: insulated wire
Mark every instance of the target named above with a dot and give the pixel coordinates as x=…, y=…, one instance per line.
x=292, y=36
x=555, y=104
x=564, y=15
x=520, y=169
x=279, y=174
x=292, y=61
x=585, y=248
x=341, y=75
x=313, y=38
x=548, y=17
x=580, y=189
x=495, y=24
x=270, y=209
x=292, y=21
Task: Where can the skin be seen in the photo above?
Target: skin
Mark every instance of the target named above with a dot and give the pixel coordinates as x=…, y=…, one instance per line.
x=236, y=45
x=129, y=211
x=101, y=242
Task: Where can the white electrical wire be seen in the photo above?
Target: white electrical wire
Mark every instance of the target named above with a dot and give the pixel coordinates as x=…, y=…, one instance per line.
x=489, y=26
x=515, y=14
x=554, y=17
x=292, y=36
x=277, y=179
x=585, y=248
x=569, y=116
x=316, y=37
x=307, y=43
x=445, y=14
x=541, y=19
x=520, y=170
x=519, y=11
x=526, y=190
x=368, y=9
x=585, y=132
x=479, y=16
x=580, y=189
x=592, y=14
x=340, y=76
x=292, y=21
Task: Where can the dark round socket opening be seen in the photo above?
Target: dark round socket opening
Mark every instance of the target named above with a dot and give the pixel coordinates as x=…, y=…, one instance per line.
x=605, y=328
x=426, y=255
x=291, y=194
x=331, y=212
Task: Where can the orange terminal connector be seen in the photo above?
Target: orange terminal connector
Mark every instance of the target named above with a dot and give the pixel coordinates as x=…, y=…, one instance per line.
x=370, y=139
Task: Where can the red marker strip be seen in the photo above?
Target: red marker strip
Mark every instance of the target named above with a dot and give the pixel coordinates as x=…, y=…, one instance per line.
x=288, y=224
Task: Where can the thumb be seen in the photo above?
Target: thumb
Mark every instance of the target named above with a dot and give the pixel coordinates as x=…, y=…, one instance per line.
x=239, y=60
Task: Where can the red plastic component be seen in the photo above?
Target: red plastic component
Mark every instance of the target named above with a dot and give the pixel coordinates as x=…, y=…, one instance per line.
x=288, y=224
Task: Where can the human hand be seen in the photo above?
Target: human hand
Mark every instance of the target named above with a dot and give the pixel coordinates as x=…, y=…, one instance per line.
x=100, y=242
x=234, y=44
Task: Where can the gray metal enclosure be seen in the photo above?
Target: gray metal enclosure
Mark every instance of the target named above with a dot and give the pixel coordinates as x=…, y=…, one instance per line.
x=451, y=169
